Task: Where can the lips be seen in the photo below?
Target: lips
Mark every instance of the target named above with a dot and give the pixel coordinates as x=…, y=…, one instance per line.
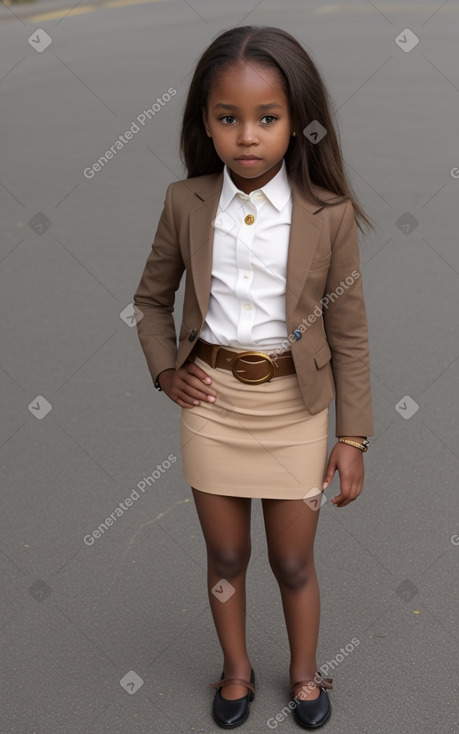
x=248, y=158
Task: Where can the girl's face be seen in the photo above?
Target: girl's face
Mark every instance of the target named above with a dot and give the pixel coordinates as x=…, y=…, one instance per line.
x=248, y=115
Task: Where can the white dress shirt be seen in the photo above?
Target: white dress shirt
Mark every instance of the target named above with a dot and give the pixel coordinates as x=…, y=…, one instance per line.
x=249, y=265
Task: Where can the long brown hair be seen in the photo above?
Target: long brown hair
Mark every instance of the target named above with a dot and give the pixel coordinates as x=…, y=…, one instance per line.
x=307, y=163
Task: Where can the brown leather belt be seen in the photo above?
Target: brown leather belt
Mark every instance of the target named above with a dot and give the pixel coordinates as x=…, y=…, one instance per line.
x=247, y=366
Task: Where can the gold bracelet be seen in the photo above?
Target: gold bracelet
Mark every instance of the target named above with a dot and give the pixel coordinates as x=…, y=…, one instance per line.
x=362, y=446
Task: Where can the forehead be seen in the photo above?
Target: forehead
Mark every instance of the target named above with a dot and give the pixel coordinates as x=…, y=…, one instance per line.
x=248, y=83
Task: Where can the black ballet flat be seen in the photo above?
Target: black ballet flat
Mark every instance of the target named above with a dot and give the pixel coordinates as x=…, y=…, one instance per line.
x=314, y=713
x=230, y=714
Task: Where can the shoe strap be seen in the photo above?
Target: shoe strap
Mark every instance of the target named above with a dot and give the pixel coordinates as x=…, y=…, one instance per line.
x=233, y=681
x=324, y=683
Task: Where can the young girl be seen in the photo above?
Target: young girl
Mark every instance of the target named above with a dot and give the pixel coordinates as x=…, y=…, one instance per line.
x=274, y=327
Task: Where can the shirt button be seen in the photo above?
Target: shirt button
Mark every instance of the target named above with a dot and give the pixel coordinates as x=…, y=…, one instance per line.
x=247, y=306
x=249, y=219
x=297, y=334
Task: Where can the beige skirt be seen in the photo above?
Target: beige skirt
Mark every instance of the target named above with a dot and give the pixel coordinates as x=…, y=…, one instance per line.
x=255, y=440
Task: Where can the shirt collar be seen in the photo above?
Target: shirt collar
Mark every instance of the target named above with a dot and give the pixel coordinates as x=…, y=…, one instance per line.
x=277, y=191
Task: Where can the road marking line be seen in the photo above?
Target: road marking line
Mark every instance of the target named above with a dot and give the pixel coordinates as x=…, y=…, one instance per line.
x=324, y=9
x=59, y=14
x=64, y=12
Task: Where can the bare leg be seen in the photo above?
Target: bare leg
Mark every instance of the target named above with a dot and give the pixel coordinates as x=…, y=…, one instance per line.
x=290, y=532
x=225, y=522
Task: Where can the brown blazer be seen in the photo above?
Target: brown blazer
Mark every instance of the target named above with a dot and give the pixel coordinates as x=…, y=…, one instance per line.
x=330, y=343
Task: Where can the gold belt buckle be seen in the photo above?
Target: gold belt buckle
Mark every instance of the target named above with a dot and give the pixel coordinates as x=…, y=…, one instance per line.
x=247, y=380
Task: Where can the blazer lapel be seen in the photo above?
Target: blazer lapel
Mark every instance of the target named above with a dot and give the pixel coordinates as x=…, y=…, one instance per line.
x=207, y=191
x=304, y=237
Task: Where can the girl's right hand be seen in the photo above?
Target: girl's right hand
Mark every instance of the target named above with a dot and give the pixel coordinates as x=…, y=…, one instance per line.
x=187, y=386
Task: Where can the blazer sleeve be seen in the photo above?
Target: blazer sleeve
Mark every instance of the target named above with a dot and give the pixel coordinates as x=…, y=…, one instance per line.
x=155, y=294
x=346, y=328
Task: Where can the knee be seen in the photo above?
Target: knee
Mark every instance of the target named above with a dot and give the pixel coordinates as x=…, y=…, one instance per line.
x=227, y=563
x=292, y=572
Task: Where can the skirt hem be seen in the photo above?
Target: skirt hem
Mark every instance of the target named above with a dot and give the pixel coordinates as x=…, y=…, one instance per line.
x=246, y=492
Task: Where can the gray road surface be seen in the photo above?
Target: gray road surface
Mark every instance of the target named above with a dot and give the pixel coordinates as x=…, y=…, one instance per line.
x=114, y=634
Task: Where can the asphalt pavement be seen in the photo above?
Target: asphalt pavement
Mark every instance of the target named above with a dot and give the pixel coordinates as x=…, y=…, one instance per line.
x=109, y=631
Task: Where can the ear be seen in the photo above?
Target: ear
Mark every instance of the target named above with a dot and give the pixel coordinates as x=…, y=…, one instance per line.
x=205, y=119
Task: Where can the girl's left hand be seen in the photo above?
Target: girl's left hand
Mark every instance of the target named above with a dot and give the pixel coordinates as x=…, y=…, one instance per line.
x=349, y=462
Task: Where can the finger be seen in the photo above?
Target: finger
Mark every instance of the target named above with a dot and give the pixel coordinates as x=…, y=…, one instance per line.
x=182, y=404
x=191, y=397
x=344, y=495
x=190, y=388
x=348, y=494
x=197, y=391
x=194, y=382
x=341, y=500
x=186, y=397
x=329, y=474
x=182, y=398
x=342, y=503
x=193, y=369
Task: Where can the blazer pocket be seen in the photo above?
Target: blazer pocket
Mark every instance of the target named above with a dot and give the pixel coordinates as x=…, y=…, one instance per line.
x=322, y=356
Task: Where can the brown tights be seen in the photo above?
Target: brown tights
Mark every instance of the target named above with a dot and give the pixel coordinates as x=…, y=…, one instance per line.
x=290, y=531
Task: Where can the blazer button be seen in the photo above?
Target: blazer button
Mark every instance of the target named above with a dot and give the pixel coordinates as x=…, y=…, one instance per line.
x=193, y=335
x=297, y=334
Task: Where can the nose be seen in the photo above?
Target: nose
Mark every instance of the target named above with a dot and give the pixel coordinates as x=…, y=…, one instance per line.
x=247, y=134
